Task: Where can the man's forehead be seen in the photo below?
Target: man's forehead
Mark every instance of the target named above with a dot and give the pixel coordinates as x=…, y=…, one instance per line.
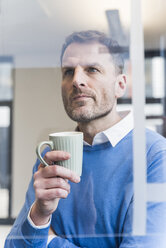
x=93, y=47
x=86, y=53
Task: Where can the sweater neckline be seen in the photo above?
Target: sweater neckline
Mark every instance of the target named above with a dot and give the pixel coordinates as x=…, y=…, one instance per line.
x=97, y=147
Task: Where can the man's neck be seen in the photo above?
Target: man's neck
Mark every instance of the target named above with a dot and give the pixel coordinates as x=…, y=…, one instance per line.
x=90, y=129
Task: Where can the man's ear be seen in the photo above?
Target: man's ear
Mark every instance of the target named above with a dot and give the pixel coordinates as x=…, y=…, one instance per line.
x=120, y=85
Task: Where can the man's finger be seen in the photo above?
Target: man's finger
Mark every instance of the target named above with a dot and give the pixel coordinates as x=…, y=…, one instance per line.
x=53, y=156
x=60, y=171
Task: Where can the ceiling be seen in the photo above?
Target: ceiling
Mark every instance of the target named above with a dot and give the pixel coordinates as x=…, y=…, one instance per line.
x=32, y=31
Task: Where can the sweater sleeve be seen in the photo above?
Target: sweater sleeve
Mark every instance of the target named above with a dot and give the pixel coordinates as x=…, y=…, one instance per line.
x=23, y=234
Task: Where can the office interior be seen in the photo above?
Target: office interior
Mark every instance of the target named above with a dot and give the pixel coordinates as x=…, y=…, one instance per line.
x=31, y=36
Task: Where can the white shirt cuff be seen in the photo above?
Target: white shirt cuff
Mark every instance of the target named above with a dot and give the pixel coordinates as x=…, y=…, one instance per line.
x=33, y=225
x=50, y=237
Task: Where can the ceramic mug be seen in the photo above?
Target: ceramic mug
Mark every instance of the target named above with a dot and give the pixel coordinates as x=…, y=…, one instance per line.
x=71, y=142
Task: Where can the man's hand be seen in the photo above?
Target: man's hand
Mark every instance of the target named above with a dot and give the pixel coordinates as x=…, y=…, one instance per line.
x=51, y=184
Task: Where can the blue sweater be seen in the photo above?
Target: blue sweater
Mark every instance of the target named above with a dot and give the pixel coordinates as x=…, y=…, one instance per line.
x=98, y=211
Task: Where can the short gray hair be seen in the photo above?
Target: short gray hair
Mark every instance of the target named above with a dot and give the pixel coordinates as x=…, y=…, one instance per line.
x=97, y=36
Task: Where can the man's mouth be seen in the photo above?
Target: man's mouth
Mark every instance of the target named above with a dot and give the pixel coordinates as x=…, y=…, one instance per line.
x=80, y=97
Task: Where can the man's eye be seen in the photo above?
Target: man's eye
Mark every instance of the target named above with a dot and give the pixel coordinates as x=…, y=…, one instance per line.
x=92, y=69
x=68, y=72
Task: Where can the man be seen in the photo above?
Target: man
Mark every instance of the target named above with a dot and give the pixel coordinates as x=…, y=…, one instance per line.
x=62, y=210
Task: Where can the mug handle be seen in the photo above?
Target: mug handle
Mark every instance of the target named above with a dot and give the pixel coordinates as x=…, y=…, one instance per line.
x=38, y=148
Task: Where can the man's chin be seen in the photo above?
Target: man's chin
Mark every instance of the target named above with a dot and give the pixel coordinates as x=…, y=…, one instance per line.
x=85, y=115
x=80, y=116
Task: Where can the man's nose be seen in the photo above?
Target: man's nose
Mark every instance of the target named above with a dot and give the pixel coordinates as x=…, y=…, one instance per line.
x=79, y=78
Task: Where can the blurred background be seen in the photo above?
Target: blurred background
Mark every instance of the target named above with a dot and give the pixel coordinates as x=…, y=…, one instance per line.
x=31, y=36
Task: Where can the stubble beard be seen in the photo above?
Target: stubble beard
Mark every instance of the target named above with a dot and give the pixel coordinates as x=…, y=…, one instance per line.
x=84, y=114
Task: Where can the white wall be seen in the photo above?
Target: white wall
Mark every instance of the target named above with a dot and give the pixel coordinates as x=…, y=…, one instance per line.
x=38, y=110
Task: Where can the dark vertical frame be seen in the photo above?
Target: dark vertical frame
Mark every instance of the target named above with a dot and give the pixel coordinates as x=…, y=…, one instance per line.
x=9, y=220
x=9, y=103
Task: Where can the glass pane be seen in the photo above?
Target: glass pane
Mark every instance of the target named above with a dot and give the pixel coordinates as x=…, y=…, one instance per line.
x=33, y=32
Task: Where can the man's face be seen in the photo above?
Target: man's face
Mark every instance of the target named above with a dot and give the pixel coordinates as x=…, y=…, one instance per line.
x=88, y=81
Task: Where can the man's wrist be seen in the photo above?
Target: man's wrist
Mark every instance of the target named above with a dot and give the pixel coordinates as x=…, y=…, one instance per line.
x=33, y=224
x=37, y=217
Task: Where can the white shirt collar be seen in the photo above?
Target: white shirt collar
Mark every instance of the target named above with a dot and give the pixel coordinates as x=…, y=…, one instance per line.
x=117, y=132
